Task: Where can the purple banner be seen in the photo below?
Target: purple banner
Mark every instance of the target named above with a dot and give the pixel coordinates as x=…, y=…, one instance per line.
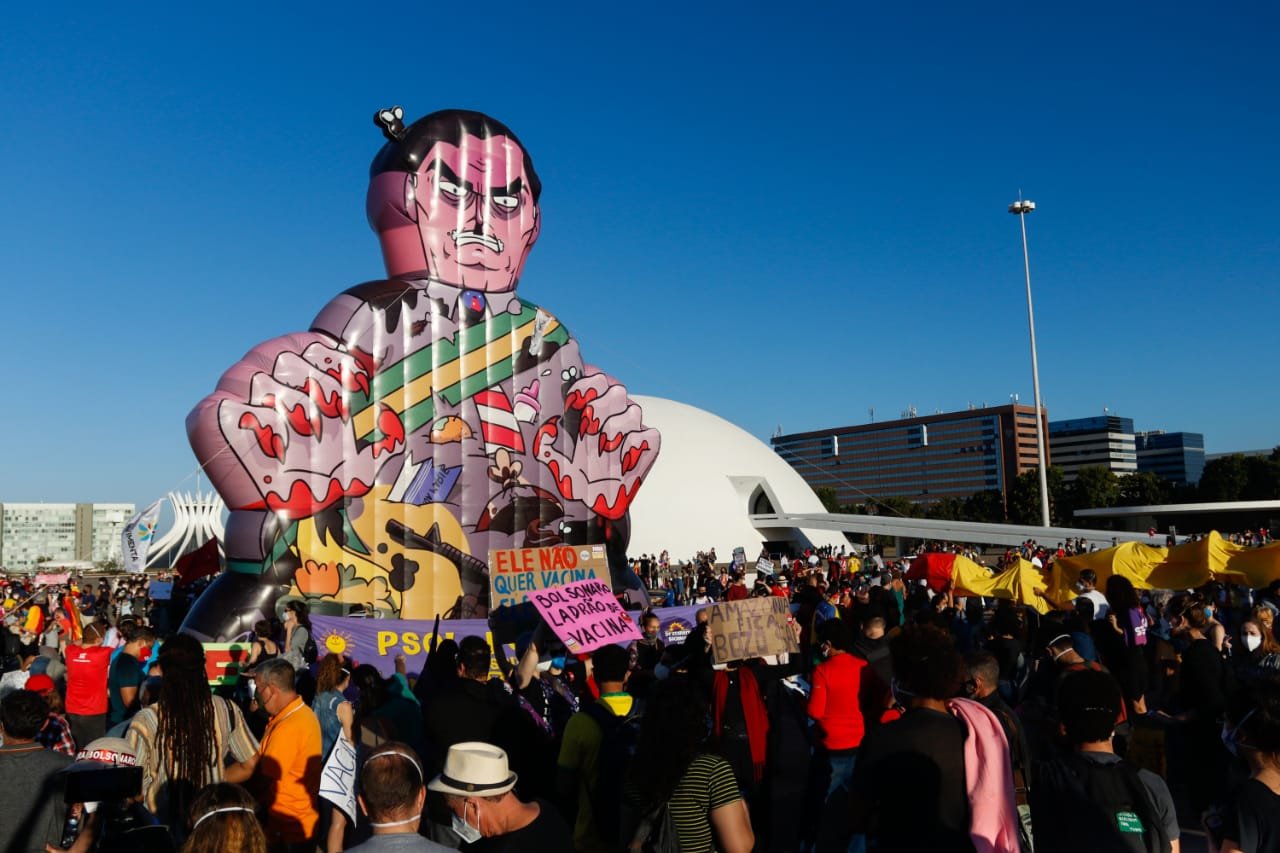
x=378, y=641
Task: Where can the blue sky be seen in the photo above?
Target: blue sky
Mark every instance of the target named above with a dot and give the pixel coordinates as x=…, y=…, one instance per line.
x=783, y=214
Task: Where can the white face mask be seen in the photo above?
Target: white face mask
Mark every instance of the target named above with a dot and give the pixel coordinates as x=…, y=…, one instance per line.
x=468, y=833
x=1252, y=641
x=404, y=822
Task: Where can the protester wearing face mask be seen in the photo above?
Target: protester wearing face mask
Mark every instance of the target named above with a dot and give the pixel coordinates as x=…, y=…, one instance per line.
x=838, y=722
x=1256, y=654
x=1064, y=659
x=392, y=793
x=1214, y=630
x=649, y=648
x=1250, y=819
x=1203, y=685
x=477, y=785
x=889, y=803
x=125, y=676
x=1087, y=586
x=1088, y=797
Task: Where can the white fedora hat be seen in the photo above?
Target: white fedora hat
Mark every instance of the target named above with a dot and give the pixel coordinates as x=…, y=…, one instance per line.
x=474, y=769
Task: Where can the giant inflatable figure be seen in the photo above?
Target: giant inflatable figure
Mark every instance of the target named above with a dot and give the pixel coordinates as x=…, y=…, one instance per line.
x=371, y=463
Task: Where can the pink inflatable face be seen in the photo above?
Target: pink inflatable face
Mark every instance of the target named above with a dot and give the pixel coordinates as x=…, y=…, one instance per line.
x=476, y=216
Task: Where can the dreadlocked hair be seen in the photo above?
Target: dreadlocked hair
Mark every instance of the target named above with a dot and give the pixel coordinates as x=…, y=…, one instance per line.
x=186, y=720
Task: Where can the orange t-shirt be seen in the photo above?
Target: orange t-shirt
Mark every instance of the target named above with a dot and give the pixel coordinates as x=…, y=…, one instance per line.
x=288, y=774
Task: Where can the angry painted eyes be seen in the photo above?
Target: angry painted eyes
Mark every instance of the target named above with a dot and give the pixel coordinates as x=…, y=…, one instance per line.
x=459, y=194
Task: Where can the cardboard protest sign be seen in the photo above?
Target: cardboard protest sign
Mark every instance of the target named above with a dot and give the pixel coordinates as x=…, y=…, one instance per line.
x=764, y=566
x=338, y=778
x=585, y=615
x=751, y=628
x=517, y=572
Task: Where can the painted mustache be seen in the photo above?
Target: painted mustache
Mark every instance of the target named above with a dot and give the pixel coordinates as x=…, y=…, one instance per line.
x=462, y=238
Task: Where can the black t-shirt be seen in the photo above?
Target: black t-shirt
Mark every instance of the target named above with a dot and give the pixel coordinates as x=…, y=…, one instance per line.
x=649, y=655
x=1019, y=751
x=1007, y=651
x=465, y=711
x=1200, y=688
x=876, y=654
x=1253, y=818
x=548, y=832
x=910, y=777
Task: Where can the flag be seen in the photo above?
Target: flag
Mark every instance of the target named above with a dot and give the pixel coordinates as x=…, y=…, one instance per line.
x=73, y=617
x=137, y=536
x=200, y=562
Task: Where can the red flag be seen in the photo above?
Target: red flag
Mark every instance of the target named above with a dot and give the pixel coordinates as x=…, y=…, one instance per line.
x=198, y=563
x=73, y=617
x=936, y=567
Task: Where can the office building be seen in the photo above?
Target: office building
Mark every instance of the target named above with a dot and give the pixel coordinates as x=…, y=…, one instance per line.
x=923, y=459
x=61, y=532
x=1106, y=441
x=1174, y=456
x=1209, y=457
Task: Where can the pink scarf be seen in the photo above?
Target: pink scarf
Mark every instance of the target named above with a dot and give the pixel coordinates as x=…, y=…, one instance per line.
x=988, y=776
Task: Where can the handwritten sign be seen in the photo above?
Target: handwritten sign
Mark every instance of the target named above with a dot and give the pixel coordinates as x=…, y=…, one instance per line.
x=585, y=615
x=516, y=573
x=751, y=628
x=52, y=578
x=338, y=778
x=764, y=566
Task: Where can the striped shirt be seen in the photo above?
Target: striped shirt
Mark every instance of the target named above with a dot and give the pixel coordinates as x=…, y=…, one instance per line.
x=707, y=785
x=230, y=736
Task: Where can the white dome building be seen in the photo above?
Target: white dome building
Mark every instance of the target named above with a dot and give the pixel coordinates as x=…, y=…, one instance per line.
x=710, y=477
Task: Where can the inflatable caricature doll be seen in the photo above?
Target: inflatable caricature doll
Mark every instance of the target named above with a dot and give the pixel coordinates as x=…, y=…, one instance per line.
x=371, y=463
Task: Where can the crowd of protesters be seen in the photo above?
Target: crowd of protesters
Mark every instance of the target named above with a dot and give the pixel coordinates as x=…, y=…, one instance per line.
x=911, y=719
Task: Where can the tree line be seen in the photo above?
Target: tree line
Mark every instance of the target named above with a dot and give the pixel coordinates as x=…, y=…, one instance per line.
x=1229, y=478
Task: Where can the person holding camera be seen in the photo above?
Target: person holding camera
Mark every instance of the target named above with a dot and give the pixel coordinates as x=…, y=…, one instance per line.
x=105, y=783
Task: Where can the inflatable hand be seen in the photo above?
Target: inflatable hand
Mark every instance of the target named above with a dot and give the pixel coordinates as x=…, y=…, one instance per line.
x=611, y=453
x=294, y=433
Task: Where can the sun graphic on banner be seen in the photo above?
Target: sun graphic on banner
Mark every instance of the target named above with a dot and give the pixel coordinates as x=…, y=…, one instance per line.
x=336, y=642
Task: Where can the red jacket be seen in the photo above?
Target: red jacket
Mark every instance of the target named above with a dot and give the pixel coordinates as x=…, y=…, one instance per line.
x=833, y=703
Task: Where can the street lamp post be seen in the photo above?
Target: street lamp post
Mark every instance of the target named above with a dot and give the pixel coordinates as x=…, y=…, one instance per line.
x=1021, y=208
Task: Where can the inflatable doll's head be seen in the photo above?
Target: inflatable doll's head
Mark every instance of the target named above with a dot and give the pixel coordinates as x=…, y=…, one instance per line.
x=454, y=198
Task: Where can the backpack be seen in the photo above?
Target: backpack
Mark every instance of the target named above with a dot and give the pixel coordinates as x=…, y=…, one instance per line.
x=1081, y=804
x=619, y=737
x=309, y=651
x=656, y=833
